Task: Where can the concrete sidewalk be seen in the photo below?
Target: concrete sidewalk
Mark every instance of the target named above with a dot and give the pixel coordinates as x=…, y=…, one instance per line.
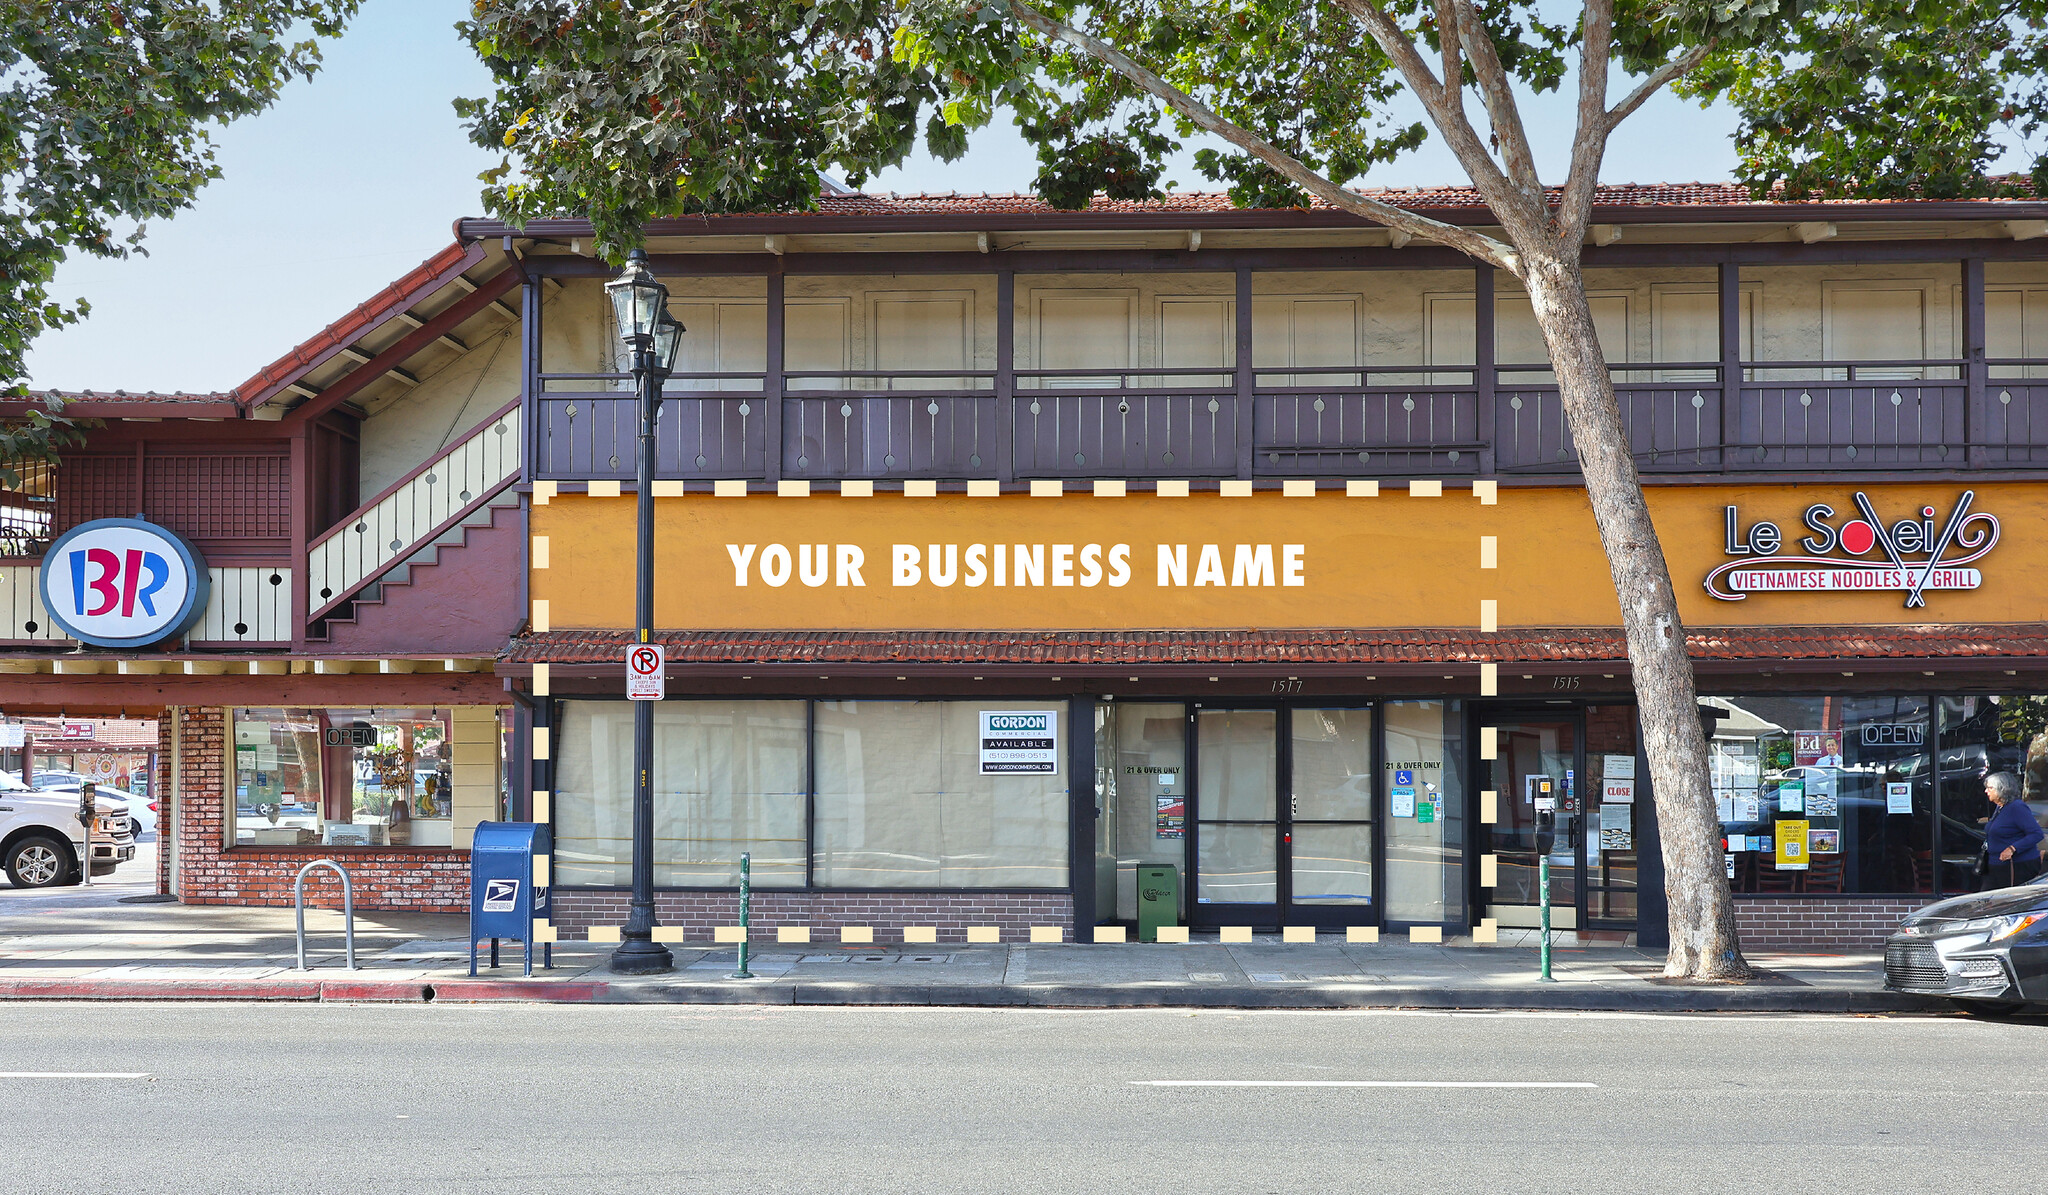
x=99, y=945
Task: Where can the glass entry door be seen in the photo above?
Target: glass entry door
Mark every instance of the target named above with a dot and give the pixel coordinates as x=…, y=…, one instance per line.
x=1263, y=861
x=1534, y=748
x=1237, y=822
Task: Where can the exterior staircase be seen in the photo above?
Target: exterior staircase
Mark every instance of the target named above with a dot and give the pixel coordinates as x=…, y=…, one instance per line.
x=420, y=566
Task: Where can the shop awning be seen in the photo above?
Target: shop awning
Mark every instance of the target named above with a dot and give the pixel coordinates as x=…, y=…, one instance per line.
x=1462, y=649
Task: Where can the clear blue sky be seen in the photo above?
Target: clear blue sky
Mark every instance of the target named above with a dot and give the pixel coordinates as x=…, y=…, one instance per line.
x=357, y=176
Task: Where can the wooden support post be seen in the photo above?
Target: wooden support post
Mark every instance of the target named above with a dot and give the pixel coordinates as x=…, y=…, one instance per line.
x=1006, y=375
x=1976, y=375
x=530, y=385
x=771, y=385
x=1245, y=429
x=1731, y=361
x=1484, y=377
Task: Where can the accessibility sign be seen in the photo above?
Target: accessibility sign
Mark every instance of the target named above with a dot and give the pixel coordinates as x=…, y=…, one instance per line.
x=646, y=672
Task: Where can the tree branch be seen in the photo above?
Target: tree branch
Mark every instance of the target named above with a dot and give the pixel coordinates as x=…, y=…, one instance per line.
x=1464, y=240
x=1518, y=214
x=1501, y=110
x=1589, y=139
x=1450, y=48
x=1657, y=79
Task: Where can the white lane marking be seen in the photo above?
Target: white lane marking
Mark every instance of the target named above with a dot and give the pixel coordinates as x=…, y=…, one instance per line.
x=1337, y=1083
x=74, y=1074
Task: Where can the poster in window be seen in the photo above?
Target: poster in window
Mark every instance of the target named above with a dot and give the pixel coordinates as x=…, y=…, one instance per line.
x=1824, y=842
x=1820, y=792
x=1791, y=796
x=1817, y=749
x=1898, y=797
x=1171, y=816
x=1792, y=844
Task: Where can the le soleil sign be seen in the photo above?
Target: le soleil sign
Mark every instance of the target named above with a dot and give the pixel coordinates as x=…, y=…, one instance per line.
x=123, y=583
x=1913, y=555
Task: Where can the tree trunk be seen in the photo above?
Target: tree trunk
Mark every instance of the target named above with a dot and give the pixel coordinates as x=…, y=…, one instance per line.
x=1703, y=943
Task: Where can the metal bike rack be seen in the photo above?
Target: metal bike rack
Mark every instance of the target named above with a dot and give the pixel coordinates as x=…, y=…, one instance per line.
x=348, y=908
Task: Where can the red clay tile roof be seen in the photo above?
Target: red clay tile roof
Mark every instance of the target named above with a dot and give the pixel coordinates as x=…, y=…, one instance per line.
x=407, y=291
x=1616, y=195
x=325, y=343
x=1397, y=646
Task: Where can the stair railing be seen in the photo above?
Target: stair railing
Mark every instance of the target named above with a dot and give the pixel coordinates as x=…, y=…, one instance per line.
x=412, y=512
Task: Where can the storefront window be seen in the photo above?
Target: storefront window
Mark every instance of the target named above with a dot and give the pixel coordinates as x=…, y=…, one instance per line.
x=941, y=794
x=1425, y=881
x=1142, y=755
x=1979, y=736
x=728, y=778
x=365, y=777
x=1825, y=794
x=1612, y=813
x=277, y=794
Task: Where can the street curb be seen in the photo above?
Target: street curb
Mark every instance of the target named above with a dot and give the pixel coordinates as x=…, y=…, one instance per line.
x=1567, y=997
x=248, y=991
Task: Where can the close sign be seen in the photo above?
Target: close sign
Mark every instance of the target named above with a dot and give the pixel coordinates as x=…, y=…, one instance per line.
x=646, y=672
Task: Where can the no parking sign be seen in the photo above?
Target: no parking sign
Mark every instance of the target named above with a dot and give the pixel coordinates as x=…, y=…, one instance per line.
x=646, y=672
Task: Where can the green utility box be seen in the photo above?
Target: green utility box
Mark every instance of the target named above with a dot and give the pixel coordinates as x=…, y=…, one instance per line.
x=1158, y=899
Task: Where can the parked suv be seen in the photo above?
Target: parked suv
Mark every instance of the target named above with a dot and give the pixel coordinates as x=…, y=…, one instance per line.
x=41, y=837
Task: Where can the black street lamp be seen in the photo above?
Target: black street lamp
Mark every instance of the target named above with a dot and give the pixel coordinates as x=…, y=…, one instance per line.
x=641, y=304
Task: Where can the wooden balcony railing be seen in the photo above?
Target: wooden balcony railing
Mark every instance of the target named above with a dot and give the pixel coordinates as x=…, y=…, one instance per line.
x=1383, y=421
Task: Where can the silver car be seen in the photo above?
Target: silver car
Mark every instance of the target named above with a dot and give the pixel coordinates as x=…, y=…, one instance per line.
x=1988, y=952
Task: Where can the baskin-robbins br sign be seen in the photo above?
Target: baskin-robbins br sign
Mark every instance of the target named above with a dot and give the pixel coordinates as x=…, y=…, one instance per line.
x=123, y=583
x=1860, y=550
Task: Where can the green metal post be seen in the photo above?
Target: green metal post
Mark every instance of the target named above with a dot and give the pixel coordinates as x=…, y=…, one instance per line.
x=746, y=911
x=1543, y=903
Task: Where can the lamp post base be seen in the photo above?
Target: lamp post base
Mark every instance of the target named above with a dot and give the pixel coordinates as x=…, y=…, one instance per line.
x=640, y=956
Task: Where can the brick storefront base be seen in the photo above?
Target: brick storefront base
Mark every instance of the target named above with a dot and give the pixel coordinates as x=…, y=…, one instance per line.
x=699, y=913
x=390, y=880
x=1781, y=923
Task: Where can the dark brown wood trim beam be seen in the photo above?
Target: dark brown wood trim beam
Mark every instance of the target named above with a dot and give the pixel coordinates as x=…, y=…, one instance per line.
x=82, y=695
x=412, y=342
x=1215, y=261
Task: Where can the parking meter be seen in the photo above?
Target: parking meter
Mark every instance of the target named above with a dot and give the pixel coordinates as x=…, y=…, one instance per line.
x=88, y=808
x=1542, y=793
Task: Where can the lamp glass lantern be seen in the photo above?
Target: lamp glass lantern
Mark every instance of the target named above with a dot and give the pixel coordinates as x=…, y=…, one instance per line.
x=639, y=300
x=668, y=340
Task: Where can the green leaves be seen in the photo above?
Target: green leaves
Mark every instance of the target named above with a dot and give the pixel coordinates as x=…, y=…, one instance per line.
x=1875, y=99
x=104, y=112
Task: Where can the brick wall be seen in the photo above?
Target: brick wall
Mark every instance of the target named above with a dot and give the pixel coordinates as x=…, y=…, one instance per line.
x=1794, y=922
x=413, y=881
x=701, y=912
x=160, y=788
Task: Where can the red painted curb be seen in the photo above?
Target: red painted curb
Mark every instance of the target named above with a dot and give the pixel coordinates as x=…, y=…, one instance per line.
x=408, y=991
x=545, y=991
x=158, y=989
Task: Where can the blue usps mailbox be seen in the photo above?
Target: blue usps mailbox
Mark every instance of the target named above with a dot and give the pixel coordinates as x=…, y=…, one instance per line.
x=507, y=893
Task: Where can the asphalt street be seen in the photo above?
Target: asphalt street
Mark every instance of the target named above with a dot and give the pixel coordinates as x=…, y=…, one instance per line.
x=137, y=1098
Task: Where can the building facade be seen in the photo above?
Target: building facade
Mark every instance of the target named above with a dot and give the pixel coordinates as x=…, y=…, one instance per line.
x=1002, y=552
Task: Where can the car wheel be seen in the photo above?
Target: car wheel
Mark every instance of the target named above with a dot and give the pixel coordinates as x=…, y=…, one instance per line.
x=1990, y=1008
x=39, y=862
x=134, y=829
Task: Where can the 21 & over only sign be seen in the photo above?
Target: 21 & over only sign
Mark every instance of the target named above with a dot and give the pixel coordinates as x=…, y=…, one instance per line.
x=646, y=672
